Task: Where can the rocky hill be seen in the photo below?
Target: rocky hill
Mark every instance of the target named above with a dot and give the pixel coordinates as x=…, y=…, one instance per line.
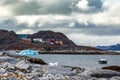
x=9, y=40
x=46, y=35
x=8, y=37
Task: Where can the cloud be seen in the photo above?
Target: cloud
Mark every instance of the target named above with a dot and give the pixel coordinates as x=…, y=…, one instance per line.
x=95, y=3
x=84, y=21
x=82, y=39
x=38, y=7
x=83, y=4
x=87, y=6
x=5, y=12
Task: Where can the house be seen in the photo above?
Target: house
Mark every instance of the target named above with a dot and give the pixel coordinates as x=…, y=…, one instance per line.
x=37, y=39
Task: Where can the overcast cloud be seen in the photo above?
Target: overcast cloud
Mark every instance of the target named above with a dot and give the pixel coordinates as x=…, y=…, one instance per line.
x=86, y=22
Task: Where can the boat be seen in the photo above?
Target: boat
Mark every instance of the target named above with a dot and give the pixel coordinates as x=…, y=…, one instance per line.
x=102, y=61
x=53, y=64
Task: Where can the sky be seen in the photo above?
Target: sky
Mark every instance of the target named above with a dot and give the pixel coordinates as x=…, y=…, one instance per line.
x=86, y=22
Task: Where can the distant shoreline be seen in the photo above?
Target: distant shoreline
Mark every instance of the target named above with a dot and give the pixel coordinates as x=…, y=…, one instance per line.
x=91, y=52
x=81, y=53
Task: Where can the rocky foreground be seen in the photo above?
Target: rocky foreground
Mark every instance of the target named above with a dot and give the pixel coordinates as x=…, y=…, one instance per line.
x=17, y=67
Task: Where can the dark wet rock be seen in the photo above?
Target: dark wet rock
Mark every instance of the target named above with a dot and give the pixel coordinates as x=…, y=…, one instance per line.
x=115, y=68
x=99, y=73
x=36, y=60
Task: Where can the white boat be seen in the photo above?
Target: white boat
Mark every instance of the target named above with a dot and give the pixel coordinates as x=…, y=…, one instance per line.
x=53, y=64
x=102, y=61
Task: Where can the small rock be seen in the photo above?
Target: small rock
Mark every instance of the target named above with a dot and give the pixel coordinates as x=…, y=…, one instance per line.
x=1, y=53
x=4, y=78
x=78, y=77
x=2, y=70
x=51, y=76
x=66, y=77
x=59, y=76
x=102, y=79
x=23, y=65
x=13, y=78
x=115, y=78
x=5, y=74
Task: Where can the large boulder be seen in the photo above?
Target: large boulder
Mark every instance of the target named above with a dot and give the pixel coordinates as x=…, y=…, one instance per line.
x=100, y=73
x=115, y=68
x=23, y=65
x=36, y=60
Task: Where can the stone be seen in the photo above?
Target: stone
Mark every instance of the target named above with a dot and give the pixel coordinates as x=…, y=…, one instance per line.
x=2, y=70
x=115, y=78
x=66, y=77
x=11, y=66
x=13, y=78
x=8, y=59
x=54, y=70
x=4, y=78
x=5, y=74
x=1, y=53
x=59, y=76
x=23, y=65
x=36, y=61
x=102, y=79
x=99, y=73
x=115, y=68
x=50, y=76
x=79, y=77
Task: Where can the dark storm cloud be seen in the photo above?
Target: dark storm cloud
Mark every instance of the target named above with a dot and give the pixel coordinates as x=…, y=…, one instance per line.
x=89, y=29
x=99, y=30
x=11, y=24
x=8, y=2
x=95, y=3
x=38, y=7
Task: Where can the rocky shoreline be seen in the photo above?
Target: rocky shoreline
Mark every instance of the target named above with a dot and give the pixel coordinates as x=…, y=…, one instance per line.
x=80, y=52
x=17, y=67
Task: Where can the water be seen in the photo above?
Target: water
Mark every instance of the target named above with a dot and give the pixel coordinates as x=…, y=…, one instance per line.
x=85, y=61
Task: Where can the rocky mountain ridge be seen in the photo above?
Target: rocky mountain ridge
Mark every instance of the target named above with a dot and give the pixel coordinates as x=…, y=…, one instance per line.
x=115, y=47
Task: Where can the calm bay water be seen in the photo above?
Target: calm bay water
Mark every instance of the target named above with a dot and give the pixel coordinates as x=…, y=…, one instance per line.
x=85, y=61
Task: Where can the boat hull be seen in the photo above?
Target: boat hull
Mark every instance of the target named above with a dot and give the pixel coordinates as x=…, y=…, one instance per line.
x=102, y=62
